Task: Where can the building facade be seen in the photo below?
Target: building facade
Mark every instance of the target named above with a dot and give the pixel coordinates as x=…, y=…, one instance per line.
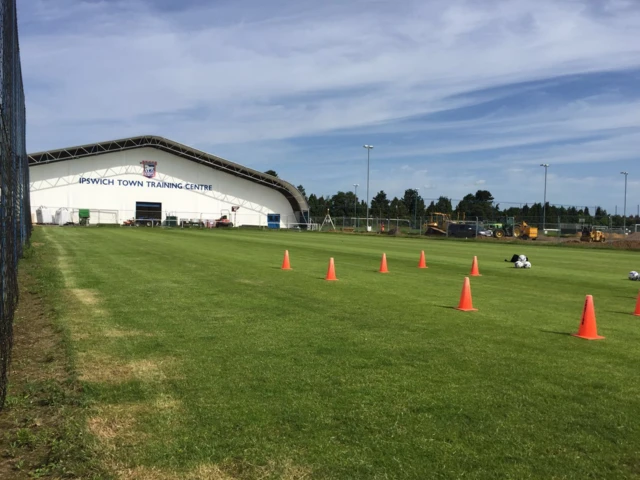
x=152, y=180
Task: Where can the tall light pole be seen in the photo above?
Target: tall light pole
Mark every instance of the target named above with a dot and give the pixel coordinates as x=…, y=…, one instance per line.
x=415, y=212
x=544, y=203
x=368, y=147
x=624, y=214
x=355, y=207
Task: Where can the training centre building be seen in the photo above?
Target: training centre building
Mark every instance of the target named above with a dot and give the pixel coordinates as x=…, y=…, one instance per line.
x=154, y=181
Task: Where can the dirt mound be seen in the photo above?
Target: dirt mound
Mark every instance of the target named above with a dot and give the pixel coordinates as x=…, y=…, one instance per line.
x=616, y=241
x=627, y=244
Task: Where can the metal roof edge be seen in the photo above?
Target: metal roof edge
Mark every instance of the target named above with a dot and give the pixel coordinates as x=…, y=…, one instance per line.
x=177, y=148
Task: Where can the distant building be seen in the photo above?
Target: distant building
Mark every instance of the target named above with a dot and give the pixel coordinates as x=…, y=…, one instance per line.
x=155, y=180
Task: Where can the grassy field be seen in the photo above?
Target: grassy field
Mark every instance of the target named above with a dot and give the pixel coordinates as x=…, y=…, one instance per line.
x=202, y=359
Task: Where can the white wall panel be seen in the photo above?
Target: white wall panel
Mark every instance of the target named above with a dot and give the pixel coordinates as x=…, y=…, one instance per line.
x=115, y=182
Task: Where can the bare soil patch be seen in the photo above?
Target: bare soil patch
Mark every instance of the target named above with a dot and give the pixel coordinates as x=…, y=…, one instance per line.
x=284, y=471
x=165, y=402
x=86, y=297
x=99, y=367
x=115, y=424
x=41, y=420
x=627, y=244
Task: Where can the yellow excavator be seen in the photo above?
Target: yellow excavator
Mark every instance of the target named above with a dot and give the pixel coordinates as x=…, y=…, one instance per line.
x=589, y=234
x=437, y=224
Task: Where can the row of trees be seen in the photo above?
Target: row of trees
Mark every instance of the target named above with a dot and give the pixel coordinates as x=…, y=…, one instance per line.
x=481, y=205
x=343, y=204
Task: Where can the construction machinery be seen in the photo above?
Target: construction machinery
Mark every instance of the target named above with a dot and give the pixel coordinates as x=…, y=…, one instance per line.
x=511, y=228
x=223, y=221
x=589, y=234
x=437, y=224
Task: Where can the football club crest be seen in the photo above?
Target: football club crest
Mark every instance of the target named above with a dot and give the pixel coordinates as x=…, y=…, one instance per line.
x=149, y=168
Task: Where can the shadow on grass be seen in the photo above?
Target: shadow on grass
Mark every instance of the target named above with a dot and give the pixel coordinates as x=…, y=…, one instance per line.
x=449, y=307
x=621, y=313
x=556, y=333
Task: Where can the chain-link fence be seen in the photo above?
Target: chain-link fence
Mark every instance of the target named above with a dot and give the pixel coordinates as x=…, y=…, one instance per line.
x=448, y=225
x=63, y=216
x=344, y=207
x=559, y=228
x=15, y=217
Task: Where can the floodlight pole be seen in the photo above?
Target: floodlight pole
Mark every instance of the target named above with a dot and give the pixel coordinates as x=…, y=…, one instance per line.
x=415, y=212
x=624, y=214
x=544, y=204
x=355, y=207
x=368, y=147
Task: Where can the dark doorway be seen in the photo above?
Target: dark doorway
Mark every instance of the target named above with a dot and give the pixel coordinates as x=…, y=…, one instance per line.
x=273, y=220
x=148, y=213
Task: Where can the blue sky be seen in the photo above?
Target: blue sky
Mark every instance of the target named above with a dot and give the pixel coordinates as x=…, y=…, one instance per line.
x=454, y=96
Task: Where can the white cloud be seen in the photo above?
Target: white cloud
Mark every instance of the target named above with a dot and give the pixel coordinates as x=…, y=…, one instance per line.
x=251, y=78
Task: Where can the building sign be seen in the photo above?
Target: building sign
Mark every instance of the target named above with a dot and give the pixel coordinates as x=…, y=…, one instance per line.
x=149, y=168
x=144, y=183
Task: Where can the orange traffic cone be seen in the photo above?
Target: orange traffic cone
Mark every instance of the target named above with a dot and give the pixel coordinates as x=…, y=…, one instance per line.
x=423, y=262
x=475, y=272
x=466, y=304
x=331, y=273
x=637, y=312
x=285, y=263
x=383, y=264
x=588, y=328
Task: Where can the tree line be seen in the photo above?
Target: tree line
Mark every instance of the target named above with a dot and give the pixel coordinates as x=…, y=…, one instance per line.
x=481, y=205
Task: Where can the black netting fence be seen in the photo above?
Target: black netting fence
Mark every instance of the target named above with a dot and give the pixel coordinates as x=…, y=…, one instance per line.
x=451, y=225
x=15, y=211
x=551, y=220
